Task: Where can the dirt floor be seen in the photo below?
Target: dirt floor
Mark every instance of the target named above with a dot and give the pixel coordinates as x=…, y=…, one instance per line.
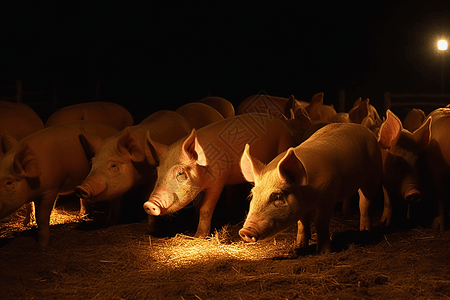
x=86, y=261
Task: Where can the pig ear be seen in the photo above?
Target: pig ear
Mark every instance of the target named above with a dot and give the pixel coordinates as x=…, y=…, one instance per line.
x=89, y=143
x=291, y=169
x=26, y=164
x=302, y=115
x=357, y=102
x=128, y=144
x=290, y=105
x=6, y=143
x=359, y=112
x=154, y=150
x=389, y=130
x=315, y=104
x=368, y=122
x=422, y=135
x=191, y=149
x=250, y=166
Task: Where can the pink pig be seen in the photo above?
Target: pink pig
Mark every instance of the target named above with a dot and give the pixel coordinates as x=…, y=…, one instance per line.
x=437, y=158
x=104, y=112
x=124, y=160
x=17, y=120
x=402, y=164
x=332, y=165
x=208, y=159
x=43, y=165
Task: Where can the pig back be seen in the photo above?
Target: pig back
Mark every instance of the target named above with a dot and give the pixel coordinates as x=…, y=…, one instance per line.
x=199, y=115
x=104, y=112
x=18, y=119
x=223, y=142
x=166, y=126
x=63, y=160
x=344, y=151
x=222, y=105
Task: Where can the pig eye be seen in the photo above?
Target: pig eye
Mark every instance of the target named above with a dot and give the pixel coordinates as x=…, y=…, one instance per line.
x=181, y=176
x=113, y=167
x=277, y=199
x=9, y=185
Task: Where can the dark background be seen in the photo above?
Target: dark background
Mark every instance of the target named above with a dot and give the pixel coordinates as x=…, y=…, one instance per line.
x=155, y=56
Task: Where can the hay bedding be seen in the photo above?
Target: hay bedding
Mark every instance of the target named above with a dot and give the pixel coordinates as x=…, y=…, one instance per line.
x=125, y=262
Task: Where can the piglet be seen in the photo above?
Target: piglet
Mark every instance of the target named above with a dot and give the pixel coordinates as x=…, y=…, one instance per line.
x=43, y=165
x=403, y=164
x=208, y=159
x=437, y=161
x=331, y=166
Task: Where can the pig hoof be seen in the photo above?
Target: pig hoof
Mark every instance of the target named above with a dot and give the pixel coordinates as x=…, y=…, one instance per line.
x=152, y=209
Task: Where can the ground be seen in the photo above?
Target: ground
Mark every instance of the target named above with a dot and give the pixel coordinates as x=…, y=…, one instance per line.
x=124, y=261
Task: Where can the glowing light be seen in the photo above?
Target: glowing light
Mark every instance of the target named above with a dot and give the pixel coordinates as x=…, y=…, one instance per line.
x=442, y=45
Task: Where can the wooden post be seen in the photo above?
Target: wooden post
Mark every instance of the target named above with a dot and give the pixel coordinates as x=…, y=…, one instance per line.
x=341, y=105
x=19, y=91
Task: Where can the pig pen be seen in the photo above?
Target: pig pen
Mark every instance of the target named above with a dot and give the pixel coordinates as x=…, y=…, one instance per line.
x=86, y=261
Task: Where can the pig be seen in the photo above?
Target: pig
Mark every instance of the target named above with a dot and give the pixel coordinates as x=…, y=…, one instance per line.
x=208, y=159
x=362, y=113
x=337, y=161
x=403, y=164
x=437, y=161
x=19, y=120
x=318, y=112
x=105, y=112
x=124, y=160
x=199, y=114
x=43, y=165
x=414, y=119
x=222, y=105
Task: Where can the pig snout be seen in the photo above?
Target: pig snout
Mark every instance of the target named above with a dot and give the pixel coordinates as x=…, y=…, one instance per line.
x=83, y=191
x=412, y=195
x=249, y=234
x=153, y=208
x=90, y=189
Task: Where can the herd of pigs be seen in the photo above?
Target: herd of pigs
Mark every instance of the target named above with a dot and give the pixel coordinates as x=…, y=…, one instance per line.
x=300, y=156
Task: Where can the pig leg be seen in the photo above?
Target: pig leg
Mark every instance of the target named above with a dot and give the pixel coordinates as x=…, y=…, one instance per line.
x=322, y=224
x=209, y=202
x=303, y=232
x=442, y=194
x=386, y=217
x=43, y=209
x=365, y=222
